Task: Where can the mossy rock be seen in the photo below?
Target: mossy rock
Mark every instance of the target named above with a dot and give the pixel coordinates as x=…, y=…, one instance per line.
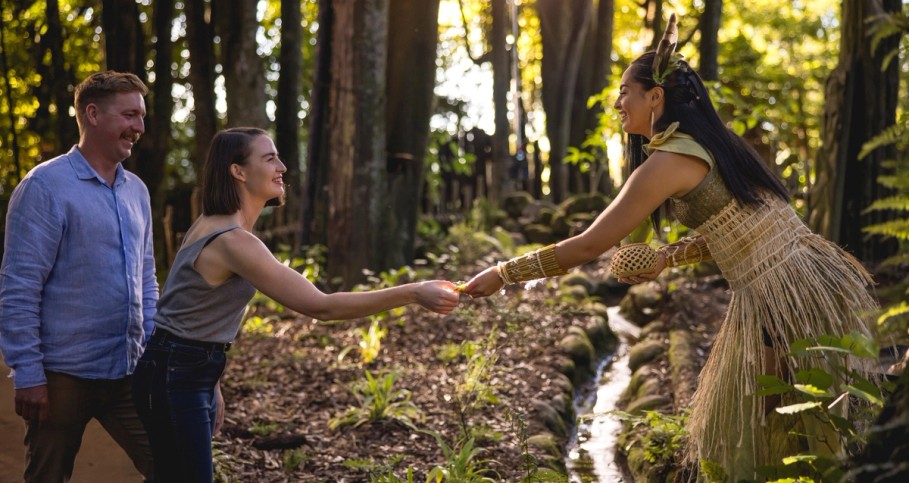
x=566, y=366
x=579, y=222
x=511, y=224
x=562, y=403
x=546, y=215
x=642, y=303
x=578, y=347
x=564, y=384
x=644, y=352
x=600, y=309
x=579, y=278
x=583, y=203
x=576, y=292
x=648, y=403
x=559, y=225
x=545, y=442
x=642, y=470
x=650, y=386
x=539, y=233
x=654, y=329
x=515, y=202
x=550, y=418
x=638, y=378
x=601, y=335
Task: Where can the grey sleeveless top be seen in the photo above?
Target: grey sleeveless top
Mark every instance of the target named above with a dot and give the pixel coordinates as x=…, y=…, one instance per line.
x=192, y=308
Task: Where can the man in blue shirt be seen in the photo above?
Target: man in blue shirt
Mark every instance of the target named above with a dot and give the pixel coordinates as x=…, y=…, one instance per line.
x=77, y=284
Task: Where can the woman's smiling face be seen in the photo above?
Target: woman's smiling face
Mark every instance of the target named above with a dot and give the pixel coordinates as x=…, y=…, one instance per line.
x=635, y=106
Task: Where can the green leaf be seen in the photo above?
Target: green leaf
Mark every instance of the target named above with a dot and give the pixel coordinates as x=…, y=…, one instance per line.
x=816, y=377
x=798, y=458
x=877, y=401
x=797, y=408
x=812, y=390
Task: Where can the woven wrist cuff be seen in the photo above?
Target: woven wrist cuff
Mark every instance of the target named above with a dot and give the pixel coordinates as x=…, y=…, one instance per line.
x=536, y=264
x=686, y=251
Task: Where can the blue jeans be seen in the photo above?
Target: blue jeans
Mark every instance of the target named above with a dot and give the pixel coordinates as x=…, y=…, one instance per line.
x=174, y=394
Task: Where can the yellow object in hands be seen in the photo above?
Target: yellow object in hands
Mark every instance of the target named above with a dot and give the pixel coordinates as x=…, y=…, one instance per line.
x=633, y=259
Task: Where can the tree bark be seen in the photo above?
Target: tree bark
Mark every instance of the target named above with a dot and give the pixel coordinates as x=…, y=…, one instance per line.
x=710, y=45
x=200, y=35
x=563, y=25
x=124, y=44
x=412, y=41
x=287, y=121
x=861, y=102
x=244, y=71
x=315, y=193
x=501, y=75
x=357, y=177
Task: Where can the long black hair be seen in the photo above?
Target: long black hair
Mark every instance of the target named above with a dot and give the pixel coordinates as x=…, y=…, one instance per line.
x=688, y=103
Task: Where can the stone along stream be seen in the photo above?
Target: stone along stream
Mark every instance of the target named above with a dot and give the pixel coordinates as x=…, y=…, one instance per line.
x=592, y=449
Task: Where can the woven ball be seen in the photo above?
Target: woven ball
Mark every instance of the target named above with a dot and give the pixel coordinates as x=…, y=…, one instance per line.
x=633, y=259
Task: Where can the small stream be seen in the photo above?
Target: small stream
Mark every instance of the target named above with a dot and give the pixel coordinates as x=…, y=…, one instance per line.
x=591, y=451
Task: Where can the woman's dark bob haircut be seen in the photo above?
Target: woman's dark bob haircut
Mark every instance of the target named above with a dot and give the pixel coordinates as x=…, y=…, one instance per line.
x=219, y=189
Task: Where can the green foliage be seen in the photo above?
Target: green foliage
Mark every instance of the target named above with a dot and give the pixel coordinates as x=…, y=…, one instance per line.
x=462, y=463
x=532, y=472
x=257, y=325
x=380, y=471
x=379, y=401
x=818, y=395
x=370, y=343
x=264, y=428
x=662, y=436
x=291, y=459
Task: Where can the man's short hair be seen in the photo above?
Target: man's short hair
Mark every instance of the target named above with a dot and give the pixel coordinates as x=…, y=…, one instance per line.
x=99, y=86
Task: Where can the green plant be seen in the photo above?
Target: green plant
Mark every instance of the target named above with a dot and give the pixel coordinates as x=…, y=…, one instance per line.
x=370, y=343
x=380, y=471
x=263, y=428
x=291, y=459
x=517, y=421
x=662, y=436
x=257, y=325
x=380, y=401
x=461, y=463
x=820, y=394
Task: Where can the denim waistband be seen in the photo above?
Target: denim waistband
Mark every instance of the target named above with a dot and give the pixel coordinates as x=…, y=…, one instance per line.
x=161, y=335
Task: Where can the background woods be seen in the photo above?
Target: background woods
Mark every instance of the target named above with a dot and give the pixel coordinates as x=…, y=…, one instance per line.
x=390, y=113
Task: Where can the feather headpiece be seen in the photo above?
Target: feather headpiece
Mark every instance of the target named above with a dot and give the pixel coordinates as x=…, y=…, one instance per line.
x=666, y=59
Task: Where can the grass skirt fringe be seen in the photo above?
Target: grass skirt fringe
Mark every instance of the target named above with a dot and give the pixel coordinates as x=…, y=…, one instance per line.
x=791, y=284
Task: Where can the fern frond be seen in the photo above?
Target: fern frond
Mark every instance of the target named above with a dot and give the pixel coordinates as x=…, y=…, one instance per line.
x=898, y=182
x=898, y=229
x=886, y=25
x=891, y=135
x=897, y=259
x=895, y=311
x=898, y=203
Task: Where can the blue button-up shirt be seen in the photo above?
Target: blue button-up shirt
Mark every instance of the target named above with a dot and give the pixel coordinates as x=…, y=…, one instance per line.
x=77, y=283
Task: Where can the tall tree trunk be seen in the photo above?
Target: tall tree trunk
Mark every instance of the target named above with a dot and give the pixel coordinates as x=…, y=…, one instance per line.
x=501, y=75
x=861, y=102
x=64, y=126
x=563, y=25
x=200, y=35
x=357, y=178
x=244, y=71
x=710, y=44
x=593, y=76
x=412, y=39
x=8, y=98
x=124, y=40
x=315, y=188
x=287, y=122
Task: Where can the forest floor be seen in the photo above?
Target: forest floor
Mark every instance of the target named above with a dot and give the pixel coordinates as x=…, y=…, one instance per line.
x=284, y=385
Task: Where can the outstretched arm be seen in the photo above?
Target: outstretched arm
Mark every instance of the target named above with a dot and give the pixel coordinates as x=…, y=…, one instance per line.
x=245, y=255
x=662, y=176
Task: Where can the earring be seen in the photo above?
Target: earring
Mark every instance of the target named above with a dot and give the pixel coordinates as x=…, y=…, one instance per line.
x=651, y=124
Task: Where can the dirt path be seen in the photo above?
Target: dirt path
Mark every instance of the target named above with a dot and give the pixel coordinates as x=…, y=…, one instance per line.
x=99, y=461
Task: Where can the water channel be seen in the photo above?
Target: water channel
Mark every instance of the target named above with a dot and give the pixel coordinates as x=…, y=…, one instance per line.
x=591, y=451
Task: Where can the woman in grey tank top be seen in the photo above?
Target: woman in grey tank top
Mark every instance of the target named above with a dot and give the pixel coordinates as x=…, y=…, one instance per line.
x=215, y=274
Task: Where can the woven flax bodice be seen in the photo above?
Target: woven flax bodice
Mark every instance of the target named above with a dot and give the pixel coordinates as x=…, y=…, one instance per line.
x=745, y=241
x=748, y=242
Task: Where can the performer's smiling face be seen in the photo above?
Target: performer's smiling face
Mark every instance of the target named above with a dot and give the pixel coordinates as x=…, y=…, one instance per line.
x=634, y=105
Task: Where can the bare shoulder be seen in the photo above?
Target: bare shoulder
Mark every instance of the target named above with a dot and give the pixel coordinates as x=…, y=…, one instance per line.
x=682, y=172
